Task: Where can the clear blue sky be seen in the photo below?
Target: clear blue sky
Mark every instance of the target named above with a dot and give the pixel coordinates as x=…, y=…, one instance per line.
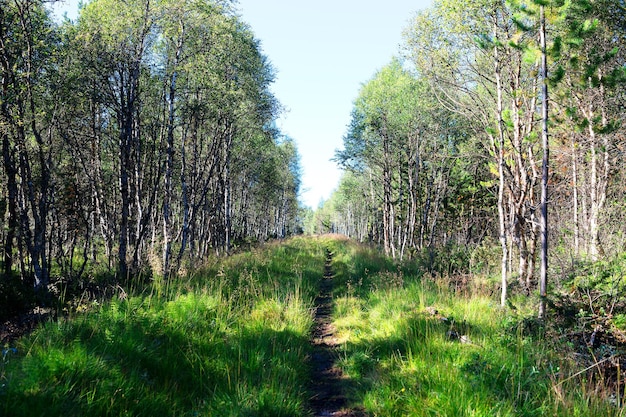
x=322, y=51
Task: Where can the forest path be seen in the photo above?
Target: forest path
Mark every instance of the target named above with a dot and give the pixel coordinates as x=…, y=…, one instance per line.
x=327, y=380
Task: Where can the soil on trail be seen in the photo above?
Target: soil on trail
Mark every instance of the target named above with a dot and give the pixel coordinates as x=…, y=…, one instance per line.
x=327, y=381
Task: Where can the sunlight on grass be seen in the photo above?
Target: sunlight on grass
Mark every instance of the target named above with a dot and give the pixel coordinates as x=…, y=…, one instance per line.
x=232, y=339
x=417, y=348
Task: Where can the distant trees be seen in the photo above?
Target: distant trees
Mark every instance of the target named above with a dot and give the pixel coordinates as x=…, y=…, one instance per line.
x=140, y=135
x=591, y=104
x=470, y=121
x=403, y=152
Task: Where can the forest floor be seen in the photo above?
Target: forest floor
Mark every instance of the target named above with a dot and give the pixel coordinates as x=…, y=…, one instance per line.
x=328, y=382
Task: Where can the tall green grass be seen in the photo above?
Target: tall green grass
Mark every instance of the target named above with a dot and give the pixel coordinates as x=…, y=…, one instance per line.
x=231, y=339
x=472, y=358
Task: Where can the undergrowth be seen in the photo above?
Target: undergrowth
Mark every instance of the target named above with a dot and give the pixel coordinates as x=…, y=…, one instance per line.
x=415, y=339
x=416, y=343
x=229, y=340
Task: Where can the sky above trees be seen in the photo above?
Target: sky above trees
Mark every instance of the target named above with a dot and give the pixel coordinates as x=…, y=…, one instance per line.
x=322, y=52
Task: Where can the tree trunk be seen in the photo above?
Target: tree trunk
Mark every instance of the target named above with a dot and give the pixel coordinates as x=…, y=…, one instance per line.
x=169, y=164
x=575, y=198
x=543, y=283
x=12, y=191
x=387, y=216
x=594, y=209
x=501, y=162
x=124, y=158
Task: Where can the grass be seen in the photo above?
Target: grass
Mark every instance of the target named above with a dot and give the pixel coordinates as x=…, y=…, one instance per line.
x=411, y=362
x=232, y=339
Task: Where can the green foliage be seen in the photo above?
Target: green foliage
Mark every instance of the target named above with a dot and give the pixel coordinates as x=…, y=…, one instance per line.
x=404, y=159
x=157, y=114
x=448, y=260
x=594, y=290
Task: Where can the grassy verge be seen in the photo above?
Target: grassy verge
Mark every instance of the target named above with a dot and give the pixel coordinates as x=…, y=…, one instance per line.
x=230, y=340
x=414, y=347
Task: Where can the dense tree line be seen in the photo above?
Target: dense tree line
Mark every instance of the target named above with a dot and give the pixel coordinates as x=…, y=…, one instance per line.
x=445, y=147
x=139, y=137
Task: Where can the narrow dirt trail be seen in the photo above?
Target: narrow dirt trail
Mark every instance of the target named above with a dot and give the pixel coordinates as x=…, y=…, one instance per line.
x=327, y=380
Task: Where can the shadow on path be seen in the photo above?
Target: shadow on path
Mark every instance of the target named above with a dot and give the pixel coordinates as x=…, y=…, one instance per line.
x=327, y=380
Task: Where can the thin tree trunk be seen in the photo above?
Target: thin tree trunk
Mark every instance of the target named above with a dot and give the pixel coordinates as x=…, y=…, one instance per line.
x=501, y=162
x=543, y=281
x=125, y=196
x=169, y=165
x=387, y=217
x=184, y=193
x=12, y=191
x=594, y=210
x=575, y=198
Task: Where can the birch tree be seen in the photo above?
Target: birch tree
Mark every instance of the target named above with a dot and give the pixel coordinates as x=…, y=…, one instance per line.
x=474, y=57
